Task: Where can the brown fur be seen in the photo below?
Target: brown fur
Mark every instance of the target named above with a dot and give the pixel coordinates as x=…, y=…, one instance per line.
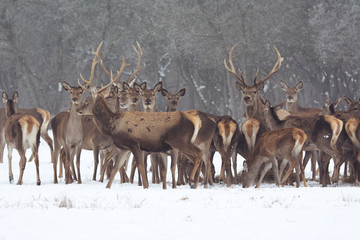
x=21, y=132
x=273, y=146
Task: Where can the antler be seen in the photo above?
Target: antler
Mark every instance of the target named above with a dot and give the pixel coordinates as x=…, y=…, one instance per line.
x=94, y=62
x=274, y=69
x=113, y=80
x=231, y=69
x=138, y=67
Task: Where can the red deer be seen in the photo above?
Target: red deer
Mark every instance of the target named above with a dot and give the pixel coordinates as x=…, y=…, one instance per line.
x=41, y=115
x=22, y=131
x=283, y=145
x=293, y=107
x=255, y=125
x=350, y=140
x=68, y=132
x=322, y=131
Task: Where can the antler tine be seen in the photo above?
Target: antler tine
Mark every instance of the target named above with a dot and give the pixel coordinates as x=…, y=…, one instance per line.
x=256, y=75
x=96, y=59
x=275, y=68
x=138, y=66
x=231, y=69
x=113, y=80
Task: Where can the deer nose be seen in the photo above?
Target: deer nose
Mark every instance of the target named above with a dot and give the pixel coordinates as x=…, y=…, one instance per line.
x=147, y=101
x=290, y=97
x=74, y=99
x=134, y=100
x=246, y=98
x=174, y=102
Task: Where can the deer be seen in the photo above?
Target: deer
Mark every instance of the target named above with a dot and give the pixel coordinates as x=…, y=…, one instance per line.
x=151, y=131
x=293, y=107
x=350, y=141
x=255, y=123
x=322, y=131
x=284, y=145
x=68, y=132
x=22, y=131
x=148, y=99
x=41, y=115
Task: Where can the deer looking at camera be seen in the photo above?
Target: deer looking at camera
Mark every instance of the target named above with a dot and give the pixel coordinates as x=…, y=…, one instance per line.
x=150, y=131
x=293, y=107
x=255, y=123
x=283, y=145
x=22, y=131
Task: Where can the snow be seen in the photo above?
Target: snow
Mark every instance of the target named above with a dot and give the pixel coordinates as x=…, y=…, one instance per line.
x=127, y=211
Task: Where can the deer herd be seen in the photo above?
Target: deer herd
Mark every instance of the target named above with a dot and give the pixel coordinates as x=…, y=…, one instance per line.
x=121, y=120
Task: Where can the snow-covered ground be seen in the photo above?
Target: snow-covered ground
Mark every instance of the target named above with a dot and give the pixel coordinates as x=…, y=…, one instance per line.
x=127, y=211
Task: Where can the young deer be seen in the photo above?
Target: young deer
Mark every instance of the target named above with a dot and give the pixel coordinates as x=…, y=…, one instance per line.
x=22, y=131
x=283, y=145
x=255, y=124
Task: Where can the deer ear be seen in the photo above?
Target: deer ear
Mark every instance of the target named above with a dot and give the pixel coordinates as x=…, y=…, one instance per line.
x=126, y=86
x=66, y=86
x=137, y=87
x=15, y=97
x=283, y=85
x=300, y=85
x=347, y=100
x=164, y=92
x=267, y=105
x=260, y=87
x=115, y=90
x=182, y=92
x=240, y=86
x=4, y=97
x=158, y=87
x=143, y=86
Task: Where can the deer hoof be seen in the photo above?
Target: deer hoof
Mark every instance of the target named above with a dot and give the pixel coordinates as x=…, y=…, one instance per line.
x=11, y=179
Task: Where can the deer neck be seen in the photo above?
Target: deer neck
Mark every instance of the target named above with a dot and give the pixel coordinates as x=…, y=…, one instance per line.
x=272, y=119
x=293, y=107
x=103, y=116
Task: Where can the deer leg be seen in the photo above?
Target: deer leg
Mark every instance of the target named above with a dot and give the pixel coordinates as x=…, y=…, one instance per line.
x=302, y=168
x=96, y=162
x=132, y=172
x=11, y=176
x=54, y=159
x=234, y=160
x=163, y=168
x=180, y=166
x=262, y=174
x=139, y=158
x=113, y=173
x=36, y=161
x=288, y=172
x=44, y=135
x=78, y=154
x=2, y=147
x=174, y=154
x=314, y=160
x=275, y=168
x=21, y=165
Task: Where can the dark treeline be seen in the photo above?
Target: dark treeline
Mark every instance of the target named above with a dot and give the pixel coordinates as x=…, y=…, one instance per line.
x=43, y=42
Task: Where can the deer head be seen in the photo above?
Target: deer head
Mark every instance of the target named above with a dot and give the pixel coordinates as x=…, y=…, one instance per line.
x=10, y=104
x=291, y=92
x=172, y=99
x=148, y=96
x=251, y=92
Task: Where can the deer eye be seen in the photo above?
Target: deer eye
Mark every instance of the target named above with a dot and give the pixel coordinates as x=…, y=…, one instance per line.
x=254, y=92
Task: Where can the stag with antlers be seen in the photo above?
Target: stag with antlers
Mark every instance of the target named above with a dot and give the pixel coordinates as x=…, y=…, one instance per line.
x=255, y=123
